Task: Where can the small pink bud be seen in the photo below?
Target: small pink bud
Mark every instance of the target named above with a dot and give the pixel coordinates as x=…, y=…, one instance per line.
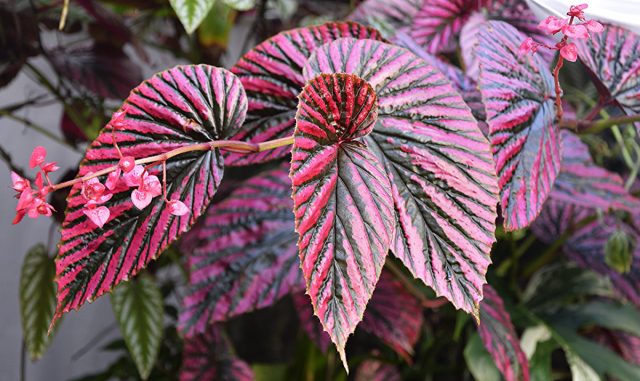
x=37, y=156
x=19, y=216
x=552, y=24
x=98, y=216
x=575, y=31
x=569, y=52
x=25, y=200
x=92, y=189
x=117, y=120
x=177, y=208
x=127, y=163
x=594, y=26
x=39, y=181
x=140, y=199
x=45, y=209
x=134, y=178
x=50, y=167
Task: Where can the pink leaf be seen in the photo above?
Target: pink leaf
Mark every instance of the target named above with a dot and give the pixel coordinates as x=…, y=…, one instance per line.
x=342, y=201
x=445, y=199
x=613, y=59
x=243, y=255
x=500, y=338
x=518, y=95
x=209, y=357
x=394, y=315
x=92, y=260
x=271, y=74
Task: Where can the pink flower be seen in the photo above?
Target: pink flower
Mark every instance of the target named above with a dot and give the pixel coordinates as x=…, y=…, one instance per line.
x=134, y=177
x=575, y=31
x=552, y=24
x=577, y=11
x=98, y=215
x=49, y=167
x=113, y=179
x=594, y=26
x=149, y=188
x=528, y=45
x=569, y=52
x=92, y=189
x=127, y=164
x=117, y=120
x=19, y=184
x=32, y=206
x=37, y=156
x=177, y=208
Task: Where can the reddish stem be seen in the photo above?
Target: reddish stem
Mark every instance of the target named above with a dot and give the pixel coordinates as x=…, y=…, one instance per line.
x=556, y=77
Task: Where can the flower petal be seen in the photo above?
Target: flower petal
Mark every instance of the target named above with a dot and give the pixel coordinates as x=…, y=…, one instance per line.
x=134, y=177
x=98, y=216
x=594, y=26
x=140, y=199
x=575, y=31
x=37, y=156
x=569, y=52
x=177, y=208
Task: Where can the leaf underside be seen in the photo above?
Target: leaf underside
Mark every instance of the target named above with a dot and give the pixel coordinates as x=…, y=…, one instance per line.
x=271, y=74
x=342, y=201
x=518, y=95
x=440, y=165
x=160, y=115
x=500, y=338
x=243, y=255
x=139, y=310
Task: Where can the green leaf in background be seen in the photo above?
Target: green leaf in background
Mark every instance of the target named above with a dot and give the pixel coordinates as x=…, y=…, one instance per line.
x=215, y=28
x=37, y=299
x=240, y=5
x=139, y=311
x=619, y=251
x=538, y=345
x=191, y=12
x=479, y=361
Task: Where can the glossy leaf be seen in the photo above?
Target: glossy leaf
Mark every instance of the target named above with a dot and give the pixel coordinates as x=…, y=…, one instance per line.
x=613, y=57
x=437, y=25
x=309, y=322
x=500, y=337
x=209, y=357
x=394, y=315
x=342, y=201
x=37, y=299
x=103, y=70
x=397, y=13
x=271, y=74
x=581, y=182
x=518, y=95
x=440, y=166
x=243, y=255
x=191, y=12
x=160, y=115
x=139, y=310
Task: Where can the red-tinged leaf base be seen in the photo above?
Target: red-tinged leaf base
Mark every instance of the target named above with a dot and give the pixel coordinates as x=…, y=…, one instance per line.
x=271, y=73
x=159, y=116
x=500, y=338
x=209, y=357
x=440, y=165
x=243, y=255
x=518, y=95
x=342, y=201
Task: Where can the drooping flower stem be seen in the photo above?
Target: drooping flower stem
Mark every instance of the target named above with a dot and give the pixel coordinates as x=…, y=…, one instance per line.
x=229, y=145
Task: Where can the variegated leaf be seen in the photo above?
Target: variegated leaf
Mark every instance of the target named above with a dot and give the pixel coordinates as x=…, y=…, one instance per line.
x=374, y=370
x=500, y=338
x=613, y=57
x=37, y=299
x=581, y=182
x=398, y=13
x=243, y=255
x=518, y=93
x=342, y=201
x=176, y=108
x=440, y=165
x=139, y=310
x=209, y=357
x=271, y=74
x=438, y=23
x=394, y=315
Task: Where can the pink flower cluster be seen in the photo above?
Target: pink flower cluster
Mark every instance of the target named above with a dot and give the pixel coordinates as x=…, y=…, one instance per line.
x=31, y=202
x=126, y=174
x=553, y=25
